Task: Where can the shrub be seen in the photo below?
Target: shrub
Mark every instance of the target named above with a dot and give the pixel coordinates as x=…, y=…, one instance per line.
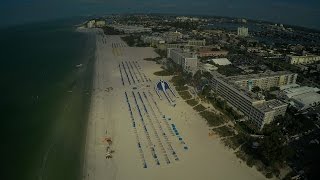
x=235, y=141
x=178, y=81
x=224, y=131
x=192, y=102
x=199, y=108
x=185, y=94
x=212, y=118
x=181, y=88
x=250, y=161
x=269, y=175
x=163, y=73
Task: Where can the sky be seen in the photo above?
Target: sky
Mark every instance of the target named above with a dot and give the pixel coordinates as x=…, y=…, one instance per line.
x=296, y=12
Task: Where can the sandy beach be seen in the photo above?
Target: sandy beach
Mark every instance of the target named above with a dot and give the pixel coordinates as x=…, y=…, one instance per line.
x=151, y=138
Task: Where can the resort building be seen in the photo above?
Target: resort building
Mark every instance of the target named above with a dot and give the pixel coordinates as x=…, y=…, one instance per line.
x=220, y=61
x=302, y=97
x=303, y=59
x=208, y=67
x=254, y=106
x=187, y=60
x=197, y=42
x=264, y=80
x=243, y=31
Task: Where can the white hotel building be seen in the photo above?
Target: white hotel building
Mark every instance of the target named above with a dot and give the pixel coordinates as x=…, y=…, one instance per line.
x=303, y=59
x=256, y=108
x=188, y=60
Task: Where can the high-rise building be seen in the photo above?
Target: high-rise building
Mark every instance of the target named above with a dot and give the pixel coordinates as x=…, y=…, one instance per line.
x=301, y=97
x=243, y=31
x=254, y=106
x=187, y=60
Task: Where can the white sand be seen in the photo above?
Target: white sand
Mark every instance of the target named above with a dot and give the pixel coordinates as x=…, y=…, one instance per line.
x=206, y=157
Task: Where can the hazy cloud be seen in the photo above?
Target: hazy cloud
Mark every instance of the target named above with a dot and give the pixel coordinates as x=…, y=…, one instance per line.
x=298, y=12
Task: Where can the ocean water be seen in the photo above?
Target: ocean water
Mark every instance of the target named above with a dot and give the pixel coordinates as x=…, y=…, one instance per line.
x=44, y=100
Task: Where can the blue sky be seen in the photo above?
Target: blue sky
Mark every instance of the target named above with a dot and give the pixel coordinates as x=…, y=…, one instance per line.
x=296, y=12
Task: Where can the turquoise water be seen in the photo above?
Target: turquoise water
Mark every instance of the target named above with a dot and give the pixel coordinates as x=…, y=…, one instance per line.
x=44, y=100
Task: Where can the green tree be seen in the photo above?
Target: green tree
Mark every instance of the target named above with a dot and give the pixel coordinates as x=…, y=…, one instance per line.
x=256, y=89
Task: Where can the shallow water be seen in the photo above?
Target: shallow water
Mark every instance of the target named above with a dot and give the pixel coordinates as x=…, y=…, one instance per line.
x=44, y=99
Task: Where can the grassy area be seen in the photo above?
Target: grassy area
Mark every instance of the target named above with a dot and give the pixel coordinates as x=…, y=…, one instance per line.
x=247, y=128
x=192, y=102
x=163, y=73
x=212, y=118
x=178, y=81
x=181, y=88
x=229, y=70
x=235, y=141
x=224, y=131
x=199, y=108
x=153, y=59
x=267, y=171
x=185, y=94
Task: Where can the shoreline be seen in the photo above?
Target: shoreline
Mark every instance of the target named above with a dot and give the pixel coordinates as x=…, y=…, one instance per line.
x=73, y=115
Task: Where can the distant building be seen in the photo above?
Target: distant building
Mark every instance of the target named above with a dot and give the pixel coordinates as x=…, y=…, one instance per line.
x=209, y=67
x=264, y=80
x=184, y=18
x=254, y=106
x=220, y=61
x=172, y=36
x=243, y=20
x=168, y=45
x=243, y=31
x=131, y=29
x=302, y=67
x=153, y=40
x=96, y=23
x=187, y=60
x=303, y=59
x=208, y=53
x=197, y=42
x=100, y=23
x=302, y=97
x=297, y=90
x=91, y=24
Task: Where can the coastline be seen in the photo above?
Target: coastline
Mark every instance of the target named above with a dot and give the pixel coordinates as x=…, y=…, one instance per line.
x=65, y=145
x=44, y=100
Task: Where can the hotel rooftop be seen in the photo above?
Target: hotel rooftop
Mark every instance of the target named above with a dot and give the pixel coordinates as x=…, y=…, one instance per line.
x=256, y=76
